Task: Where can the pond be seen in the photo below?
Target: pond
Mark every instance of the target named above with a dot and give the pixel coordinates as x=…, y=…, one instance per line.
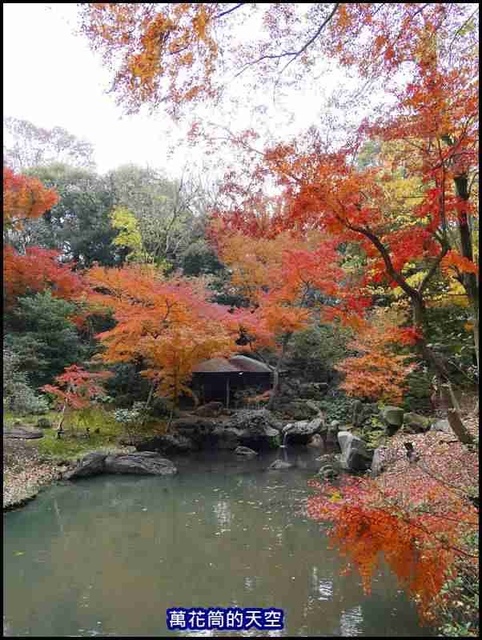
x=109, y=555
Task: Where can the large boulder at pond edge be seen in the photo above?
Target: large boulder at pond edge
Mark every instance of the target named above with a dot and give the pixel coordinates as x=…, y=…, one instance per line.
x=415, y=423
x=301, y=432
x=258, y=429
x=91, y=465
x=392, y=417
x=355, y=456
x=140, y=463
x=167, y=443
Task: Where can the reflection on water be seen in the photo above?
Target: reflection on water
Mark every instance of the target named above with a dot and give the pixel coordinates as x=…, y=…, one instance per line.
x=351, y=622
x=107, y=556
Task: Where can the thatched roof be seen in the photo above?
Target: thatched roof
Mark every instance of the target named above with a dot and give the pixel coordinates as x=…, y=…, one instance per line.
x=215, y=365
x=235, y=364
x=248, y=364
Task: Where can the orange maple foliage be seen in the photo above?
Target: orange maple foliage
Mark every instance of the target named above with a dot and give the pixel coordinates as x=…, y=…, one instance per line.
x=24, y=198
x=416, y=516
x=424, y=54
x=279, y=276
x=169, y=53
x=177, y=50
x=378, y=372
x=167, y=324
x=38, y=270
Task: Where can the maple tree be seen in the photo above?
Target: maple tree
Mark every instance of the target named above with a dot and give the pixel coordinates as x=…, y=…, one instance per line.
x=419, y=524
x=282, y=278
x=378, y=372
x=76, y=388
x=168, y=325
x=24, y=198
x=38, y=270
x=174, y=55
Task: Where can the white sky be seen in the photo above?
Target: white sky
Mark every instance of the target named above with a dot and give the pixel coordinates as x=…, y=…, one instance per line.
x=51, y=78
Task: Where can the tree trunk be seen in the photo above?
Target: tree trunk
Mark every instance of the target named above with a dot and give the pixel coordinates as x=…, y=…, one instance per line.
x=453, y=411
x=275, y=388
x=60, y=429
x=469, y=280
x=453, y=415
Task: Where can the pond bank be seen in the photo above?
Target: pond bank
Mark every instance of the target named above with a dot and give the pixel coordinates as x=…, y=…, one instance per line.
x=25, y=472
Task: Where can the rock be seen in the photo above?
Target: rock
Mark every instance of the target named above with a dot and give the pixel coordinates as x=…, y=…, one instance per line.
x=392, y=417
x=328, y=472
x=226, y=437
x=361, y=412
x=278, y=465
x=442, y=425
x=168, y=444
x=330, y=459
x=415, y=423
x=355, y=455
x=332, y=431
x=22, y=433
x=44, y=423
x=330, y=465
x=245, y=452
x=131, y=441
x=197, y=428
x=316, y=441
x=313, y=390
x=300, y=432
x=139, y=463
x=298, y=409
x=190, y=423
x=209, y=410
x=378, y=464
x=313, y=406
x=258, y=428
x=91, y=465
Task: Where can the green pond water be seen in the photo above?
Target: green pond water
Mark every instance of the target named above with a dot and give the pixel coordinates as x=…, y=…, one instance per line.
x=108, y=556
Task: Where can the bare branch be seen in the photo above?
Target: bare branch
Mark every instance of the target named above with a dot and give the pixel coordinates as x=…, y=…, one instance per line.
x=225, y=13
x=292, y=54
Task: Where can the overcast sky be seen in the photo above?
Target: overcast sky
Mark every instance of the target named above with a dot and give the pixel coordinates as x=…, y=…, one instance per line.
x=51, y=78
